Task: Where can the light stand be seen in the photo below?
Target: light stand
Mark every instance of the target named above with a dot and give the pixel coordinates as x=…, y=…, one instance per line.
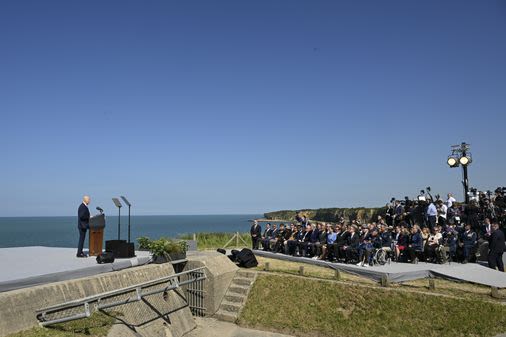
x=129, y=205
x=461, y=156
x=118, y=204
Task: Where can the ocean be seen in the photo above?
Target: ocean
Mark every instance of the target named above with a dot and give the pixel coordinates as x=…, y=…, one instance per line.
x=62, y=231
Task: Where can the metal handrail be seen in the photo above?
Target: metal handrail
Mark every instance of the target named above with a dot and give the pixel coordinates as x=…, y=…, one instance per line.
x=172, y=284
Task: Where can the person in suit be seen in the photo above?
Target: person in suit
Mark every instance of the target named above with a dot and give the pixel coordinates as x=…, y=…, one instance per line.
x=304, y=240
x=268, y=235
x=267, y=231
x=468, y=241
x=318, y=239
x=496, y=248
x=486, y=229
x=83, y=223
x=256, y=232
x=398, y=212
x=280, y=239
x=290, y=239
x=342, y=239
x=274, y=237
x=351, y=247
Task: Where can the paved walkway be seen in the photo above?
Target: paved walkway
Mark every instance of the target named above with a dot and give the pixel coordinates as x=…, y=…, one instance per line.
x=210, y=327
x=401, y=272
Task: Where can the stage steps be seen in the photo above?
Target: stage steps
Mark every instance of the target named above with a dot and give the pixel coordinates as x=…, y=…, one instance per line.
x=236, y=296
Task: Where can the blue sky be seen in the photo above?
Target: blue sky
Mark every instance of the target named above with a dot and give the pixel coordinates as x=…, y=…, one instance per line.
x=201, y=107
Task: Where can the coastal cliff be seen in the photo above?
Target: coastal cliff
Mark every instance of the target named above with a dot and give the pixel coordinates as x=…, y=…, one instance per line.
x=330, y=214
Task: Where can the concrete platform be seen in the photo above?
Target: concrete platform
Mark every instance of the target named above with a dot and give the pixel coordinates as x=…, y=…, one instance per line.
x=22, y=267
x=400, y=272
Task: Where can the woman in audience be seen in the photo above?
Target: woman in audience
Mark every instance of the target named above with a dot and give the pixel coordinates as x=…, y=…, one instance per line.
x=415, y=244
x=432, y=243
x=331, y=238
x=401, y=239
x=425, y=237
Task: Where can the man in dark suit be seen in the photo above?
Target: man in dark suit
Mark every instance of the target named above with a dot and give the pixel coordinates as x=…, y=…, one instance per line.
x=468, y=239
x=256, y=233
x=496, y=248
x=486, y=229
x=269, y=234
x=83, y=223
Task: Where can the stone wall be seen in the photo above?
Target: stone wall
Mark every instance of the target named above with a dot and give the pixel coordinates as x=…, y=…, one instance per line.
x=18, y=307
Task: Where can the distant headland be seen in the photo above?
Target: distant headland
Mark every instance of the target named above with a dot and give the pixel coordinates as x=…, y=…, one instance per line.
x=330, y=214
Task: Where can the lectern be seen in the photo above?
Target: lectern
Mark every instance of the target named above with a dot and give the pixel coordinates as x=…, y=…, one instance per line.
x=97, y=225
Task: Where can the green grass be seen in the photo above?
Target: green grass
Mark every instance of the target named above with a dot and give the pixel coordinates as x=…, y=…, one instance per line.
x=217, y=240
x=97, y=325
x=305, y=307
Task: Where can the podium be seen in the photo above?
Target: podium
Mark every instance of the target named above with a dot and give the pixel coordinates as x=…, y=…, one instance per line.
x=97, y=225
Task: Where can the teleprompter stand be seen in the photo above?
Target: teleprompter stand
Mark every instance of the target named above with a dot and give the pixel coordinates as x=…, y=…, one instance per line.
x=120, y=248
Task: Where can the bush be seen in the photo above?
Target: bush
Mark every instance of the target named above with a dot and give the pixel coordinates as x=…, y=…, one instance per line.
x=162, y=247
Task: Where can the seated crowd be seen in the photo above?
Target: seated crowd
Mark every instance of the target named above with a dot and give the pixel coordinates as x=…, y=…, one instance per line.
x=438, y=241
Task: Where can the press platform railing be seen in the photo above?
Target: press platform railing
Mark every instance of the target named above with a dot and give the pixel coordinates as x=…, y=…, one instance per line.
x=191, y=281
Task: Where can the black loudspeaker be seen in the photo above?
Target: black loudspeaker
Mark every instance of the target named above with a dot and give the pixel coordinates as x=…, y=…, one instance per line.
x=120, y=248
x=246, y=258
x=106, y=257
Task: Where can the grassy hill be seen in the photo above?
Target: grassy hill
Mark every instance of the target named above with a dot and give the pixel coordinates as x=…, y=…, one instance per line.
x=308, y=307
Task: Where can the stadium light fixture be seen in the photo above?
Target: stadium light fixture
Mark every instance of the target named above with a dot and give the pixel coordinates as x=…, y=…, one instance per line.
x=461, y=156
x=465, y=160
x=452, y=161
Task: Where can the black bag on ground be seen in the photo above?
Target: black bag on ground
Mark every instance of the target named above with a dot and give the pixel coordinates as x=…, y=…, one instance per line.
x=233, y=255
x=246, y=258
x=106, y=257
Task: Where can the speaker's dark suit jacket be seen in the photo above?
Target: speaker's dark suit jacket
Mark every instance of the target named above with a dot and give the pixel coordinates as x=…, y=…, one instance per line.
x=83, y=215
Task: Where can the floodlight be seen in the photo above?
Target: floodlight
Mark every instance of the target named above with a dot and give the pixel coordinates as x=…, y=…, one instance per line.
x=452, y=161
x=465, y=160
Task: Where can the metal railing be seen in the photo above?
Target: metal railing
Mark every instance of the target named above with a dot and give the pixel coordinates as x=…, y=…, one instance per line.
x=190, y=281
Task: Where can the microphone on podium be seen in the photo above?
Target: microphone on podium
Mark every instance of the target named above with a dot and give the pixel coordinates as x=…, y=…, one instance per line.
x=100, y=210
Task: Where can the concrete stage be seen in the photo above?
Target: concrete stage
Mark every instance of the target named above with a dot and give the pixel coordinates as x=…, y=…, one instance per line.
x=22, y=267
x=400, y=272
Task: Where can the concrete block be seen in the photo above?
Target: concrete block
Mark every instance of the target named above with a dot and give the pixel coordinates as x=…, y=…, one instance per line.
x=337, y=274
x=494, y=292
x=385, y=282
x=219, y=271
